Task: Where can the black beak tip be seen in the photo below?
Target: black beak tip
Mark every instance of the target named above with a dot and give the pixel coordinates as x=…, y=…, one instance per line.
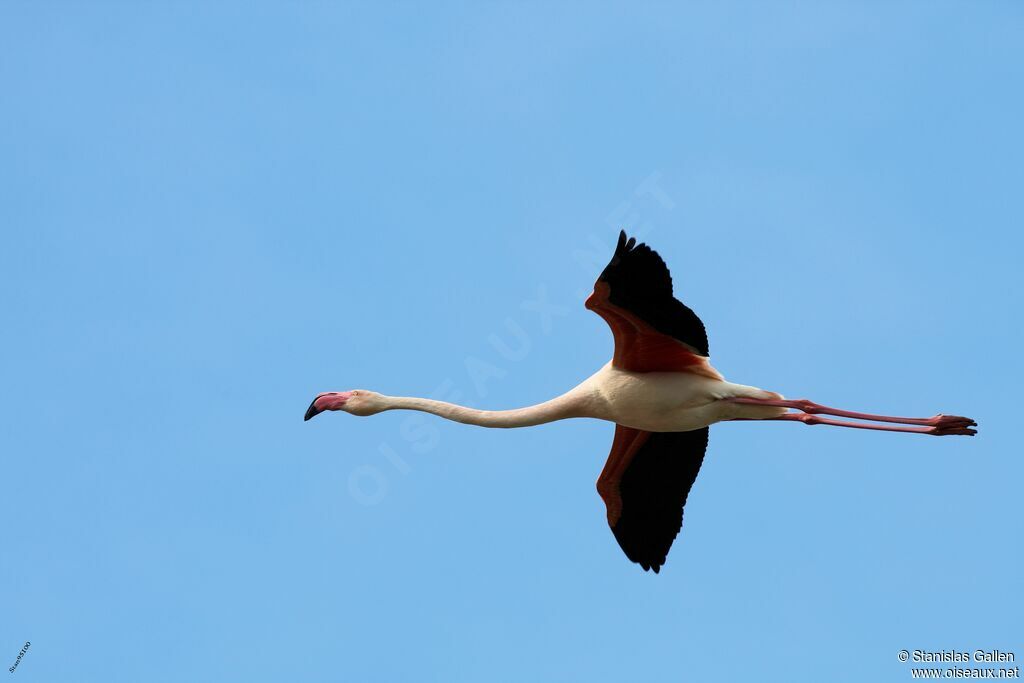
x=310, y=411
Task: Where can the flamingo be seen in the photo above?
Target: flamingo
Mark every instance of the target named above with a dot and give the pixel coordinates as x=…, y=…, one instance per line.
x=661, y=392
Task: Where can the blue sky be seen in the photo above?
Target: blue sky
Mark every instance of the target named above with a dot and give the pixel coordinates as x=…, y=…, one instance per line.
x=213, y=211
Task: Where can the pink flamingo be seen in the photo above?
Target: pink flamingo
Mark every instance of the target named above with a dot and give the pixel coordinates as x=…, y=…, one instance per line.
x=662, y=394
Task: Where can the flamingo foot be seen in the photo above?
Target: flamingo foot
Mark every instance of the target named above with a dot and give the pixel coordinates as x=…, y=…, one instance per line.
x=949, y=425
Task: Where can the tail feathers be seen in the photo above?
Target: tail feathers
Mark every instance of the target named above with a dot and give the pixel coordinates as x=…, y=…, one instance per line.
x=751, y=412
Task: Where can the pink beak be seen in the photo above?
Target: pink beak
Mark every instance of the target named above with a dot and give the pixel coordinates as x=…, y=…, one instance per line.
x=329, y=401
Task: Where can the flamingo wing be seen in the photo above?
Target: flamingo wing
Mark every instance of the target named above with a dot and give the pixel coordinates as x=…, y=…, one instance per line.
x=653, y=331
x=644, y=484
x=648, y=475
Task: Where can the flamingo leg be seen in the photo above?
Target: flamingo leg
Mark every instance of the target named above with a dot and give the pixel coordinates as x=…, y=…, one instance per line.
x=938, y=425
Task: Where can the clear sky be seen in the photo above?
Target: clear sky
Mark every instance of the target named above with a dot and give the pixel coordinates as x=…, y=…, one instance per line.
x=210, y=212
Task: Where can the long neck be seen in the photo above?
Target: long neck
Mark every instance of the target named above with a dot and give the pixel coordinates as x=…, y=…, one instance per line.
x=571, y=404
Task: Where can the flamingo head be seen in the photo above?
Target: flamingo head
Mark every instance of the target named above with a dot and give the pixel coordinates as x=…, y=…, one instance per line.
x=356, y=402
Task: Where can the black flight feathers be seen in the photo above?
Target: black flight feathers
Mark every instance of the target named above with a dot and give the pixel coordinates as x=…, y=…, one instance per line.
x=654, y=489
x=640, y=283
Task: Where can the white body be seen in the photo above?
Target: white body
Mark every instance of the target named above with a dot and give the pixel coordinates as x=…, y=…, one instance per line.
x=668, y=401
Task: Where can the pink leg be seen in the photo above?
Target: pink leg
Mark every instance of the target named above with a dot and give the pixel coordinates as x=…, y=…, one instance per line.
x=939, y=425
x=934, y=430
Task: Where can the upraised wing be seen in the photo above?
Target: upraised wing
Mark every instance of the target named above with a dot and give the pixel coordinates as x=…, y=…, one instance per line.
x=653, y=331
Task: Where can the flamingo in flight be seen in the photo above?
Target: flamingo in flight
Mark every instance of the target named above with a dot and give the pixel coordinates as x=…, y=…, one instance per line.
x=661, y=392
